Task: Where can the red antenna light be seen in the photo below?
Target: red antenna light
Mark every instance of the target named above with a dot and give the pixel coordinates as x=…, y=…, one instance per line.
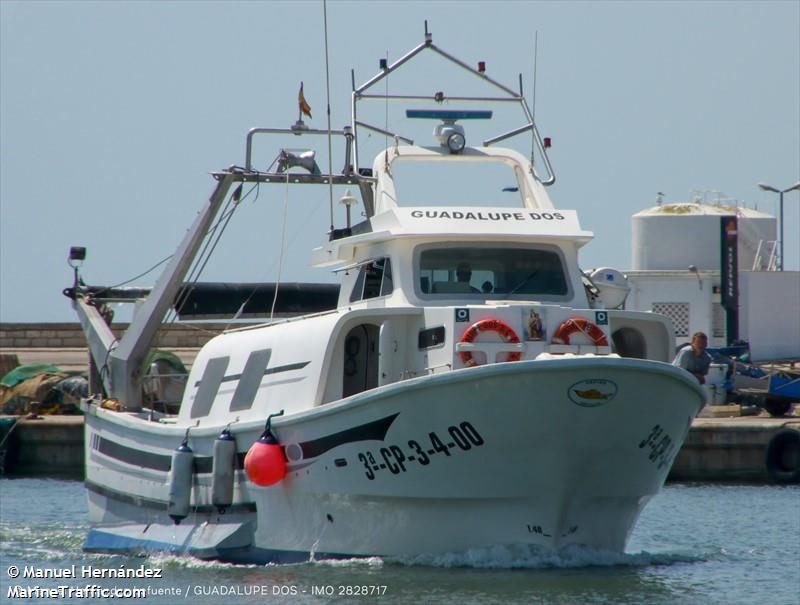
x=481, y=66
x=548, y=142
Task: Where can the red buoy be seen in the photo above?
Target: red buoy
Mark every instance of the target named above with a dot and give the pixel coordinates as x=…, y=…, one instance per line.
x=265, y=463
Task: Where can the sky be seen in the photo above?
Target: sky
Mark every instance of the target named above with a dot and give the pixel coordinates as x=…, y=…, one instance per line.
x=113, y=114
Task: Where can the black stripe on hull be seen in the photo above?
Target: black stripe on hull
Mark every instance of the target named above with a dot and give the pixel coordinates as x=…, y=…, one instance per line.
x=151, y=460
x=143, y=502
x=371, y=431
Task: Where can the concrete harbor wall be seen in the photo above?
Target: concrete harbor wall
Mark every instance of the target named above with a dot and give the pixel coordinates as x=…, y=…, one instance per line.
x=717, y=449
x=53, y=445
x=49, y=446
x=728, y=449
x=15, y=336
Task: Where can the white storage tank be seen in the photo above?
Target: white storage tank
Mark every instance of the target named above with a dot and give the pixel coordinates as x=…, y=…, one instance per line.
x=674, y=236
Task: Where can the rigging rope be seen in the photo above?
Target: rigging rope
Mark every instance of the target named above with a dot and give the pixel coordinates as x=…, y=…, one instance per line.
x=283, y=239
x=127, y=281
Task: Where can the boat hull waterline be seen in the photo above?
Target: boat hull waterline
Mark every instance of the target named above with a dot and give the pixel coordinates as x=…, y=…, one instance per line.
x=545, y=452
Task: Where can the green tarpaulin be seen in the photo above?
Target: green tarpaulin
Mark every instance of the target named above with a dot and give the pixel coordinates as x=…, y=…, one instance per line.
x=28, y=371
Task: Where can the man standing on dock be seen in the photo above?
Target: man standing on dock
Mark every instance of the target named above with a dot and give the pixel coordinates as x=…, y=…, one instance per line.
x=693, y=357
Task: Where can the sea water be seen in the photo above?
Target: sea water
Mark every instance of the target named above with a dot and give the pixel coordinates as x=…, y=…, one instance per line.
x=694, y=544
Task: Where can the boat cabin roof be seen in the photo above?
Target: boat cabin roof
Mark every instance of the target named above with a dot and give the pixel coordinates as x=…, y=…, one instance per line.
x=532, y=194
x=532, y=220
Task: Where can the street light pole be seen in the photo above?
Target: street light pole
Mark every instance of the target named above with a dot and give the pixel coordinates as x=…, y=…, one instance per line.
x=780, y=192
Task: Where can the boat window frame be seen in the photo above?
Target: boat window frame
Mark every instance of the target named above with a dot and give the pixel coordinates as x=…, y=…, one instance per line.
x=481, y=296
x=386, y=286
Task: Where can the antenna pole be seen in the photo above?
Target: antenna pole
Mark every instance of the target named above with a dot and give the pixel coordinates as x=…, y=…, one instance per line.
x=533, y=100
x=535, y=61
x=353, y=126
x=328, y=99
x=386, y=124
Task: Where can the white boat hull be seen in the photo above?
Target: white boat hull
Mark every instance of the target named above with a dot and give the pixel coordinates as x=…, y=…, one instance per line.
x=551, y=453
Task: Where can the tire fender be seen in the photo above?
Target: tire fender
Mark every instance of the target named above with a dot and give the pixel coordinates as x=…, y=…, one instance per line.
x=783, y=456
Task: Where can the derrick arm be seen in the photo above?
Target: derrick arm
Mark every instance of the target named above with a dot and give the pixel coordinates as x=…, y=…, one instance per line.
x=99, y=337
x=125, y=361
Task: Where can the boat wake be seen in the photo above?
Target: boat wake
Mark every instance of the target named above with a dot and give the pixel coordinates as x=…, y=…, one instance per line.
x=163, y=560
x=361, y=562
x=525, y=556
x=39, y=543
x=517, y=556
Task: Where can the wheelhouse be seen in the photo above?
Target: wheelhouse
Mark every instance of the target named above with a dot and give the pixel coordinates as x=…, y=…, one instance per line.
x=488, y=271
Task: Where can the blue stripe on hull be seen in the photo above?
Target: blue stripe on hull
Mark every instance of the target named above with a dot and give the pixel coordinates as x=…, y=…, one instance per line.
x=99, y=540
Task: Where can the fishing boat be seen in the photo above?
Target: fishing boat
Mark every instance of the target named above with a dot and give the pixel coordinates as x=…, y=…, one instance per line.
x=466, y=386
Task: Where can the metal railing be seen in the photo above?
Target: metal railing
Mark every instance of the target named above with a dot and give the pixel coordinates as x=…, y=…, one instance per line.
x=359, y=93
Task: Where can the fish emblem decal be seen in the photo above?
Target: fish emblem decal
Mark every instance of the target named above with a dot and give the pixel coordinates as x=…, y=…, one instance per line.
x=592, y=392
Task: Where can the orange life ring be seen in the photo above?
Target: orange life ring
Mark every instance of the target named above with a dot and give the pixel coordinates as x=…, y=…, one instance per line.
x=488, y=325
x=575, y=325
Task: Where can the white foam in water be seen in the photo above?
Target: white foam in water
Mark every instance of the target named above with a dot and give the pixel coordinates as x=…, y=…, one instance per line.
x=354, y=562
x=46, y=544
x=167, y=560
x=515, y=556
x=527, y=556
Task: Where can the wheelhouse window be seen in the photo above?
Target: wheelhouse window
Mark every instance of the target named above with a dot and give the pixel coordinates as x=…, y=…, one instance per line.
x=492, y=272
x=374, y=280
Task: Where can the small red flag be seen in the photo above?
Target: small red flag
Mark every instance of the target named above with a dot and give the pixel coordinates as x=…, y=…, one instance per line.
x=305, y=108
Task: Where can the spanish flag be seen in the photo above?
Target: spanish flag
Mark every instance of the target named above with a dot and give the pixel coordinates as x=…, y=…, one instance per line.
x=302, y=104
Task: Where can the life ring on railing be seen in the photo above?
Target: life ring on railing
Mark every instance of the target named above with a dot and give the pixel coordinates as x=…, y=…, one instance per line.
x=505, y=331
x=575, y=325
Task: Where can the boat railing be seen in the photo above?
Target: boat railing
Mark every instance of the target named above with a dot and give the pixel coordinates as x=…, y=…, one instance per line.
x=509, y=96
x=164, y=392
x=348, y=175
x=299, y=129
